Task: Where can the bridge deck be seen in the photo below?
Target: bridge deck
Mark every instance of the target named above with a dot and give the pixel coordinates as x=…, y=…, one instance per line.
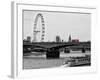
x=48, y=45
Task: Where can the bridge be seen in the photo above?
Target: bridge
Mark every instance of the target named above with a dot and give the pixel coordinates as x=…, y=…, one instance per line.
x=52, y=49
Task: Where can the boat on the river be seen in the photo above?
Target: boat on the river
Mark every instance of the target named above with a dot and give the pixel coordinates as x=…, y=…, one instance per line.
x=78, y=61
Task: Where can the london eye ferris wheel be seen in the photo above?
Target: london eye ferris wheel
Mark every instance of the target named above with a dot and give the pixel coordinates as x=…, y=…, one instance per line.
x=39, y=32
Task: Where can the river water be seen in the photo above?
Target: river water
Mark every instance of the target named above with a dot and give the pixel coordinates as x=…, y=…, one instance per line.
x=40, y=61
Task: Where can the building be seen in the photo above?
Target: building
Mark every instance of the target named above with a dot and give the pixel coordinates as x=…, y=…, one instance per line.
x=28, y=38
x=69, y=39
x=72, y=40
x=58, y=39
x=75, y=40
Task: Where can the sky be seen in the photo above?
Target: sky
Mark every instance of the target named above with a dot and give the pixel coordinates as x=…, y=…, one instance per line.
x=63, y=24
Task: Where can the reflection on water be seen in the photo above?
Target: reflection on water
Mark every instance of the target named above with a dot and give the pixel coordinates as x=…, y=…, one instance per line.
x=39, y=61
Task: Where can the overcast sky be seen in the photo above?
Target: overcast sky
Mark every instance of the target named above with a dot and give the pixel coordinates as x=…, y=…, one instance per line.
x=58, y=23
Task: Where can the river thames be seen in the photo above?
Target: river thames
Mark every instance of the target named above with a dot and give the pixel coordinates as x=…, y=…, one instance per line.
x=40, y=61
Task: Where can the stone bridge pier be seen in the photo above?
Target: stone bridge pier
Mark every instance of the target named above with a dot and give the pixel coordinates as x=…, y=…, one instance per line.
x=52, y=54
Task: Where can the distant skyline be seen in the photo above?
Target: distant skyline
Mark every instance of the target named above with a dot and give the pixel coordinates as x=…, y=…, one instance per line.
x=62, y=24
